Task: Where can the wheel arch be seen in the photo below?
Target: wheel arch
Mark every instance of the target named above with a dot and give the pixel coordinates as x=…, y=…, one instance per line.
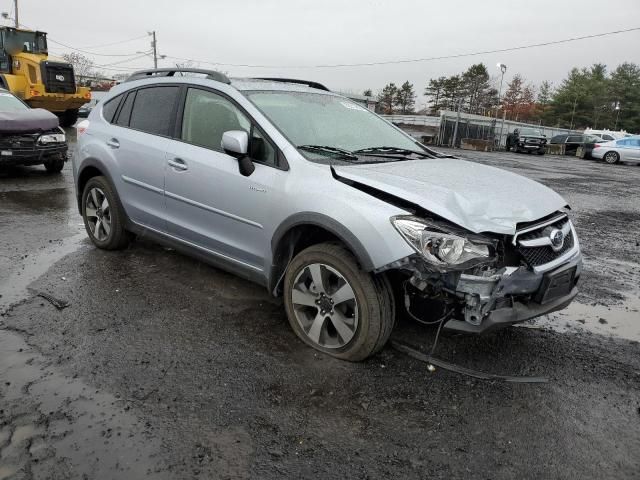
x=303, y=230
x=91, y=167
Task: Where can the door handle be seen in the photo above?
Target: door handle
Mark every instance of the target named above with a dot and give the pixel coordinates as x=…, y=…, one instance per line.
x=113, y=143
x=178, y=164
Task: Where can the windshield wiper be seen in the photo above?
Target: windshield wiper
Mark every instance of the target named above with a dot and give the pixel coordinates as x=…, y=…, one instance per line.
x=382, y=151
x=328, y=149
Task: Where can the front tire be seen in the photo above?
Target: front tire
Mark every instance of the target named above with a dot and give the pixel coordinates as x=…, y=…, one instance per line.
x=54, y=166
x=103, y=215
x=611, y=157
x=336, y=307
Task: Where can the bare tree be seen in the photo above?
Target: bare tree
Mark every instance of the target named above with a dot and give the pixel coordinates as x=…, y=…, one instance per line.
x=83, y=66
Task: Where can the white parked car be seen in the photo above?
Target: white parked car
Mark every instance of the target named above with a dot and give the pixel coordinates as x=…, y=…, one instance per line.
x=622, y=150
x=608, y=135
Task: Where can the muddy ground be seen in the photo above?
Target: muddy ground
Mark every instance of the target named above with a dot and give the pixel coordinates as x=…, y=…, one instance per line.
x=162, y=367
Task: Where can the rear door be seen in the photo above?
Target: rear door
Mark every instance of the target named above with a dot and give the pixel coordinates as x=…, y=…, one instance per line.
x=572, y=143
x=146, y=118
x=210, y=204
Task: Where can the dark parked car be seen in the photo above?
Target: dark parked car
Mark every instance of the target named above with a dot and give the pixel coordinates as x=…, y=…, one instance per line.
x=85, y=109
x=30, y=136
x=527, y=140
x=573, y=142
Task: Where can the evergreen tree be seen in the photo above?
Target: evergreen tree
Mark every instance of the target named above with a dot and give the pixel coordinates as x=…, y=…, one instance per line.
x=434, y=92
x=386, y=98
x=405, y=98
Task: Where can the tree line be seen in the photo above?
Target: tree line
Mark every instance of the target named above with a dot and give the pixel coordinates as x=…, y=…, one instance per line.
x=587, y=97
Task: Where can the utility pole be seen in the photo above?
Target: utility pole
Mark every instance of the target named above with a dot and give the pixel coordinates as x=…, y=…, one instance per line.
x=15, y=5
x=155, y=49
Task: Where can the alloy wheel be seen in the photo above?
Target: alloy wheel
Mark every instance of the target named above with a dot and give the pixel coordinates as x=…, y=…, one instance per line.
x=611, y=157
x=98, y=213
x=325, y=305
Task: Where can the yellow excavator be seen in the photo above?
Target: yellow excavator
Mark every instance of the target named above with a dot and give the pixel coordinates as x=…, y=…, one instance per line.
x=27, y=71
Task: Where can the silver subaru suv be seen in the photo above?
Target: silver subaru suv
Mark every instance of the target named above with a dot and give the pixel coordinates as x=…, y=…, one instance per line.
x=326, y=204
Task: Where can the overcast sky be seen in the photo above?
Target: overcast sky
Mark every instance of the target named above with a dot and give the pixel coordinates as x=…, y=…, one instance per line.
x=318, y=32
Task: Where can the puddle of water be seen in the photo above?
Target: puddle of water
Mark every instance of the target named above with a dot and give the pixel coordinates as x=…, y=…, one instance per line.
x=25, y=432
x=14, y=288
x=89, y=427
x=6, y=471
x=618, y=320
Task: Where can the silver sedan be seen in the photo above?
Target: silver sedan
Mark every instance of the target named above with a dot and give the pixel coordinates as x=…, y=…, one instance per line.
x=622, y=150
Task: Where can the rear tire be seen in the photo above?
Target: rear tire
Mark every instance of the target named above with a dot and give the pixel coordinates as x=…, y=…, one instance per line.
x=611, y=157
x=369, y=312
x=103, y=215
x=54, y=166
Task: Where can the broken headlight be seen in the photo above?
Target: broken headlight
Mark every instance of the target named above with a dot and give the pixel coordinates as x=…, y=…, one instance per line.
x=439, y=247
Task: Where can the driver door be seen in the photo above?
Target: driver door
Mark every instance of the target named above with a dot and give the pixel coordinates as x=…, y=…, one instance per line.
x=209, y=203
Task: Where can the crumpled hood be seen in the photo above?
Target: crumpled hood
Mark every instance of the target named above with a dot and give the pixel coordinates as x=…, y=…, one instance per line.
x=27, y=121
x=474, y=196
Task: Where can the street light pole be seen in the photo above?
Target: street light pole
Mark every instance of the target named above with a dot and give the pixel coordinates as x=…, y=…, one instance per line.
x=617, y=116
x=15, y=6
x=503, y=69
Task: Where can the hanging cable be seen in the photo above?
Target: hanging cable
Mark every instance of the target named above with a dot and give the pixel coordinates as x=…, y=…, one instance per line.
x=415, y=60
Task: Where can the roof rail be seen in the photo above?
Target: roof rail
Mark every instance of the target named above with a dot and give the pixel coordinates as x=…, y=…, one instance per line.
x=171, y=72
x=308, y=83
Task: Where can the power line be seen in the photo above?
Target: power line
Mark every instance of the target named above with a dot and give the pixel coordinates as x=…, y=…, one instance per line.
x=144, y=54
x=91, y=53
x=116, y=43
x=86, y=51
x=416, y=60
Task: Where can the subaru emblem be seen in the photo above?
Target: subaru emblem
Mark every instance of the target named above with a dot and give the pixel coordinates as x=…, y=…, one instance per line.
x=557, y=239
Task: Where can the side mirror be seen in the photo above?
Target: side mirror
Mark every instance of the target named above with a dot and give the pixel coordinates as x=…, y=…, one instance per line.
x=236, y=144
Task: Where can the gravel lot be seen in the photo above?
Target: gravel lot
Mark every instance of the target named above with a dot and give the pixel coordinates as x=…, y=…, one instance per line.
x=162, y=367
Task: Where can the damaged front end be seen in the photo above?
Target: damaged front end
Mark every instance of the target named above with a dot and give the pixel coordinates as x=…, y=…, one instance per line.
x=478, y=283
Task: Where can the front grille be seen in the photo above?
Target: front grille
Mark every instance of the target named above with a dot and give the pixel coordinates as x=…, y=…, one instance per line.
x=22, y=146
x=58, y=78
x=18, y=142
x=541, y=255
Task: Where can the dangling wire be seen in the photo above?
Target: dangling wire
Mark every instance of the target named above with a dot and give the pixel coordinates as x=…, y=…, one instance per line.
x=407, y=307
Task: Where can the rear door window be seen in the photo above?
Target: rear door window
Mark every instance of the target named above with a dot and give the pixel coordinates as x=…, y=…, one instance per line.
x=154, y=109
x=125, y=111
x=574, y=139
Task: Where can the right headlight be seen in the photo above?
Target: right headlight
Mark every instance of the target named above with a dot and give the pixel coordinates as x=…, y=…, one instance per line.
x=437, y=247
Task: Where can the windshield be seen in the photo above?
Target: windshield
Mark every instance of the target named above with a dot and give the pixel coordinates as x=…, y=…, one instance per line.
x=9, y=103
x=531, y=131
x=313, y=119
x=16, y=41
